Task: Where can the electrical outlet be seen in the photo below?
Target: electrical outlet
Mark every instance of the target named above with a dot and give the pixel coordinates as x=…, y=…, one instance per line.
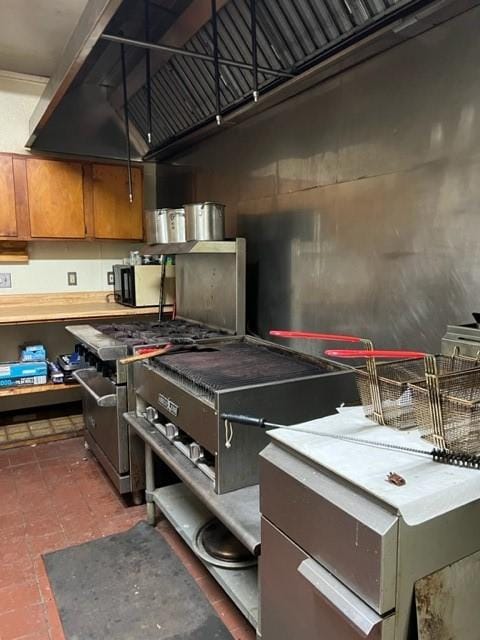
x=5, y=280
x=110, y=279
x=72, y=278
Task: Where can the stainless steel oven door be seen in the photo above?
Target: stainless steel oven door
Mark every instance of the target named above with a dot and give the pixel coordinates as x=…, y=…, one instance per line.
x=104, y=404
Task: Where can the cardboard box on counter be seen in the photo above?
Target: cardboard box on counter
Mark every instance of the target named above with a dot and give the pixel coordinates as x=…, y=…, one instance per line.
x=18, y=382
x=33, y=353
x=13, y=374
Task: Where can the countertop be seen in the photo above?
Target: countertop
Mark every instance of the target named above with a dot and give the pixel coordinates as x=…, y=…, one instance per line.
x=58, y=307
x=431, y=488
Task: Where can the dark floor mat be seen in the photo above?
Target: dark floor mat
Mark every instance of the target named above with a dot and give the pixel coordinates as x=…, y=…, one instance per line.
x=130, y=586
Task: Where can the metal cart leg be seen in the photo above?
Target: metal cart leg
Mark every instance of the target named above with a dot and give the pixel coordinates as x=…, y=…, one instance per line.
x=150, y=485
x=137, y=498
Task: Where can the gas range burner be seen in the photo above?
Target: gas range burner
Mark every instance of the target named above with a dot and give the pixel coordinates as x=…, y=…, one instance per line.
x=138, y=333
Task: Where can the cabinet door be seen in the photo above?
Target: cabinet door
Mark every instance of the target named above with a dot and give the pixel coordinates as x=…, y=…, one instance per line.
x=8, y=220
x=114, y=216
x=55, y=199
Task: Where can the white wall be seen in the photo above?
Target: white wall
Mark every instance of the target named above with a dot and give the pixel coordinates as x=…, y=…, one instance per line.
x=49, y=263
x=19, y=95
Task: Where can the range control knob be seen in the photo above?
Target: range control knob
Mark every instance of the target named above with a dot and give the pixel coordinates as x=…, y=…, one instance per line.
x=171, y=431
x=195, y=452
x=151, y=414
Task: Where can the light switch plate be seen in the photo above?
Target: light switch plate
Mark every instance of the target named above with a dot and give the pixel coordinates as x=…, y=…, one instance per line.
x=5, y=280
x=110, y=277
x=72, y=278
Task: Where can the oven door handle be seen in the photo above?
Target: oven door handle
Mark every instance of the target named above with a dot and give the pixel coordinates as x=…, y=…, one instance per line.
x=109, y=400
x=359, y=615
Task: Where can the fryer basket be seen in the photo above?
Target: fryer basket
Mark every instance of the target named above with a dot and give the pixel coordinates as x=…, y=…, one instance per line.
x=447, y=409
x=390, y=382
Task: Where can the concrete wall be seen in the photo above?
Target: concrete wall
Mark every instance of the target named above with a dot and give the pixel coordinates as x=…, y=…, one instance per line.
x=360, y=198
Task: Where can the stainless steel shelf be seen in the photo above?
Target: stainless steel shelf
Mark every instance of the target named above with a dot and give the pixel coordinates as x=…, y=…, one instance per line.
x=187, y=515
x=201, y=246
x=238, y=510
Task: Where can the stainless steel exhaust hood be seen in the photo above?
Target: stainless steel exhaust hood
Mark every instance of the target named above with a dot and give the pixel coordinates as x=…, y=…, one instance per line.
x=195, y=66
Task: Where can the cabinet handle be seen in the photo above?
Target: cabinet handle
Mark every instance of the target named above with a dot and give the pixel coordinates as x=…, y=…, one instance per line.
x=358, y=615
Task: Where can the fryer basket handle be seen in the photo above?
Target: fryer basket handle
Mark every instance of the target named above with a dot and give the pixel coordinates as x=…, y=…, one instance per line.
x=374, y=353
x=313, y=335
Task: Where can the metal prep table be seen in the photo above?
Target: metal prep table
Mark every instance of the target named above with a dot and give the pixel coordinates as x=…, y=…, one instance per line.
x=342, y=548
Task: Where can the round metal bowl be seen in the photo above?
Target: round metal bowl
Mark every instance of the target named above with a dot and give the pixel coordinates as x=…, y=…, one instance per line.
x=215, y=544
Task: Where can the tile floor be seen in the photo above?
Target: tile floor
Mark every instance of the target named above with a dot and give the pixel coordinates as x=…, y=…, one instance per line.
x=53, y=496
x=22, y=433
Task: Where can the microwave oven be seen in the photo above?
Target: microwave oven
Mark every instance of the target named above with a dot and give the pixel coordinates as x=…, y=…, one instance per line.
x=137, y=285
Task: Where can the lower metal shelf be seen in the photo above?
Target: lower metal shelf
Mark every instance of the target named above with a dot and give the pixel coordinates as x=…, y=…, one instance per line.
x=187, y=515
x=238, y=510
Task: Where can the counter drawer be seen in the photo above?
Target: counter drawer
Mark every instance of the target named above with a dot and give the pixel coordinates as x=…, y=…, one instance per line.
x=301, y=600
x=353, y=537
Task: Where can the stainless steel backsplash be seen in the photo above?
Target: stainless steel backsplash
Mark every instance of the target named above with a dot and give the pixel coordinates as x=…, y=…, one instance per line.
x=360, y=198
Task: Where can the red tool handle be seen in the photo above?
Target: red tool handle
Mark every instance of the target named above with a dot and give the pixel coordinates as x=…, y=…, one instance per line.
x=311, y=335
x=143, y=350
x=358, y=353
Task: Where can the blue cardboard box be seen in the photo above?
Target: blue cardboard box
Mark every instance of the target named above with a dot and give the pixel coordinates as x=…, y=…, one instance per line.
x=18, y=382
x=14, y=374
x=33, y=353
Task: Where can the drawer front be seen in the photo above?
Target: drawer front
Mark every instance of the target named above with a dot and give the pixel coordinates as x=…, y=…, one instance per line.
x=349, y=534
x=301, y=600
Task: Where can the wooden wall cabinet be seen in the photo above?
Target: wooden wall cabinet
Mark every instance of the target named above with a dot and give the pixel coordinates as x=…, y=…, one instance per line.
x=56, y=199
x=114, y=216
x=8, y=216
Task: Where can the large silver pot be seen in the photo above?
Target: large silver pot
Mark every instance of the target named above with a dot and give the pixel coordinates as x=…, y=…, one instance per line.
x=165, y=225
x=205, y=221
x=176, y=225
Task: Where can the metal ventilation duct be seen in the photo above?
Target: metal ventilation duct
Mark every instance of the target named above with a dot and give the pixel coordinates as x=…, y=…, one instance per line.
x=296, y=43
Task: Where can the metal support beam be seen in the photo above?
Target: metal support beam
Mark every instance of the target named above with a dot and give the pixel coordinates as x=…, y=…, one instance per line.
x=150, y=485
x=218, y=116
x=147, y=73
x=127, y=123
x=253, y=17
x=193, y=54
